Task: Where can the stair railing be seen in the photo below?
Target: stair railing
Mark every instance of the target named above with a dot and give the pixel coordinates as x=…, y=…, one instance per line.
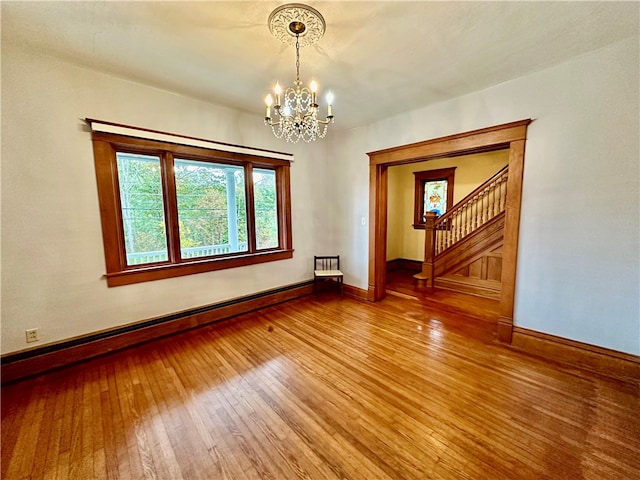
x=472, y=212
x=469, y=214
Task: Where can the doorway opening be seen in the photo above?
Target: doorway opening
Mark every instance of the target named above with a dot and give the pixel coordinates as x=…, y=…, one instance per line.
x=511, y=136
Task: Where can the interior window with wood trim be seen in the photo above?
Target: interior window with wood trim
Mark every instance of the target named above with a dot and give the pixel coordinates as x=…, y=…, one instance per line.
x=433, y=193
x=169, y=210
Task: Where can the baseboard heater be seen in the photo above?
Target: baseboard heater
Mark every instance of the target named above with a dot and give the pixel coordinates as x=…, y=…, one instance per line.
x=47, y=357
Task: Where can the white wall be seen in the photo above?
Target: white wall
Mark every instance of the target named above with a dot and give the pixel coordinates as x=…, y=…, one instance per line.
x=579, y=254
x=52, y=253
x=578, y=268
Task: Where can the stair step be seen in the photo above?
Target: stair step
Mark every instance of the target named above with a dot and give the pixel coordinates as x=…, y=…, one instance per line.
x=473, y=286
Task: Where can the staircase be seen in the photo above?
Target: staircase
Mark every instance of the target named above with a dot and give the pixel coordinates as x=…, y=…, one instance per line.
x=463, y=248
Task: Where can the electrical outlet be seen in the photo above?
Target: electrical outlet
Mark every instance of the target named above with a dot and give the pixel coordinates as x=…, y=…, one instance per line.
x=32, y=335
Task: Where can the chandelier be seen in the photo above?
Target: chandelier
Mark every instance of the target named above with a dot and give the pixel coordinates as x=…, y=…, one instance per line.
x=296, y=108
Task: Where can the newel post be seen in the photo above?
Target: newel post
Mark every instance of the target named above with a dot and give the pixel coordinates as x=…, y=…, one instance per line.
x=425, y=278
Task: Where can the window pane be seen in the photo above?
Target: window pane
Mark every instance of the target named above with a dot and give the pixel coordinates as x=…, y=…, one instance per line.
x=212, y=214
x=266, y=207
x=142, y=205
x=435, y=196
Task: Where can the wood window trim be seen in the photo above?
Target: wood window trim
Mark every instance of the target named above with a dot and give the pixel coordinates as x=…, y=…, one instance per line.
x=105, y=147
x=421, y=178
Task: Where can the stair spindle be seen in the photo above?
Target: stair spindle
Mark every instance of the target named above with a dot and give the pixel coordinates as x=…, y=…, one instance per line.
x=485, y=206
x=473, y=210
x=494, y=204
x=504, y=202
x=477, y=203
x=463, y=232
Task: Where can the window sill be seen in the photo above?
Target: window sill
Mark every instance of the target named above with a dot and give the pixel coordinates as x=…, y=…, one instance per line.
x=140, y=274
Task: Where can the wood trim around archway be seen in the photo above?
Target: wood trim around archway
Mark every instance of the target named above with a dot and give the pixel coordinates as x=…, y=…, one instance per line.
x=510, y=135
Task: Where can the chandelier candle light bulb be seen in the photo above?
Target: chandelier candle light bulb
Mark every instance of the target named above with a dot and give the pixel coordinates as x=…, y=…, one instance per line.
x=278, y=91
x=329, y=105
x=296, y=114
x=269, y=101
x=314, y=88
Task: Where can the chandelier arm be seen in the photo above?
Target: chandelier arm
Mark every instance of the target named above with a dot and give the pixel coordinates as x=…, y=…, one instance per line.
x=269, y=121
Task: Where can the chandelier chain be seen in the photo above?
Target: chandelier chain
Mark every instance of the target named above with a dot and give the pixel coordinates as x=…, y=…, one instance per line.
x=297, y=58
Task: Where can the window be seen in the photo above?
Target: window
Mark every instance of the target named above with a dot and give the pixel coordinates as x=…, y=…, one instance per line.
x=264, y=198
x=212, y=213
x=433, y=193
x=170, y=210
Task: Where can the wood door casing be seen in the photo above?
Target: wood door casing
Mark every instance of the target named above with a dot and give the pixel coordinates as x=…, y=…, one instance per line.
x=510, y=135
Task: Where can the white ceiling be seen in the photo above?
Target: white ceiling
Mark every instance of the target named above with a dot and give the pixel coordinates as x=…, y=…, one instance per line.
x=378, y=58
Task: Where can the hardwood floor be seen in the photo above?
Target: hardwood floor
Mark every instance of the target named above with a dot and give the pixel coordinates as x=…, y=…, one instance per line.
x=323, y=389
x=400, y=282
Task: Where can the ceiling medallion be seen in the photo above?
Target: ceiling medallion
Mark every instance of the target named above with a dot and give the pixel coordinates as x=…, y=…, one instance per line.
x=296, y=112
x=288, y=20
